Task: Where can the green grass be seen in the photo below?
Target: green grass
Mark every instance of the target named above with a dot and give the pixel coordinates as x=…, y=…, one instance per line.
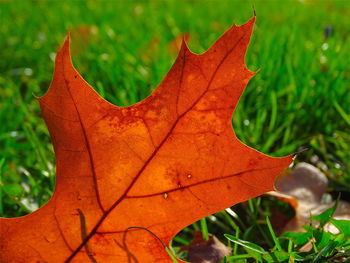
x=299, y=98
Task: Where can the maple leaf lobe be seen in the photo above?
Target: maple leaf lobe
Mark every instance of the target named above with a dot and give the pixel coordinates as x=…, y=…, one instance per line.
x=128, y=177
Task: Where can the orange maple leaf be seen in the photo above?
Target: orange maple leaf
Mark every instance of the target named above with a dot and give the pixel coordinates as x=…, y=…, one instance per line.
x=129, y=178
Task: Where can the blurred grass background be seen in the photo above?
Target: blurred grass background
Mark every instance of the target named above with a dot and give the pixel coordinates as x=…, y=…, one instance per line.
x=300, y=97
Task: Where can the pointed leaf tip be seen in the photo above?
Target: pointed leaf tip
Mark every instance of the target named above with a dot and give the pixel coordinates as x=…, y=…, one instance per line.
x=184, y=47
x=251, y=22
x=64, y=51
x=66, y=45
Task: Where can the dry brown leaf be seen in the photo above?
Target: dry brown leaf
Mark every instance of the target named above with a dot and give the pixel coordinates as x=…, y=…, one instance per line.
x=304, y=188
x=206, y=251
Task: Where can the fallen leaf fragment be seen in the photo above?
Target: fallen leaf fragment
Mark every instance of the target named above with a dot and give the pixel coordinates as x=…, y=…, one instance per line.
x=304, y=188
x=206, y=251
x=130, y=178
